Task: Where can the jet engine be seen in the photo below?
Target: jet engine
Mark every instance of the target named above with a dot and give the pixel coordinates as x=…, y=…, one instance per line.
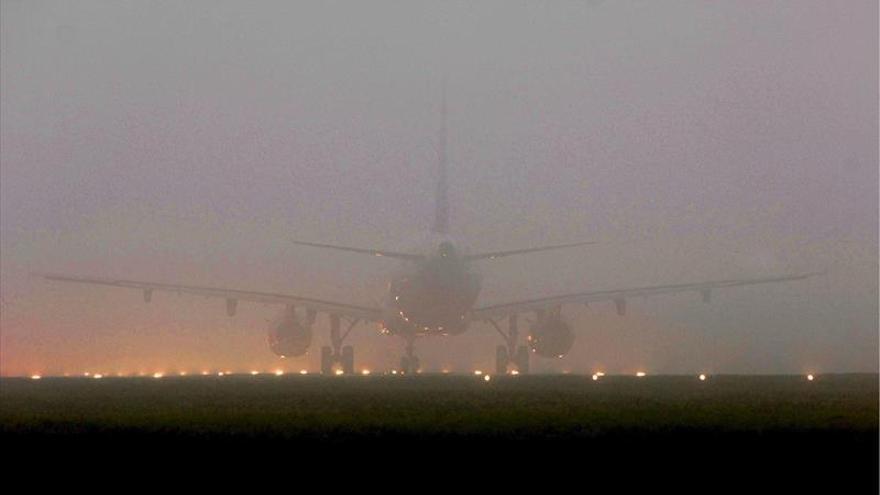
x=288, y=336
x=551, y=336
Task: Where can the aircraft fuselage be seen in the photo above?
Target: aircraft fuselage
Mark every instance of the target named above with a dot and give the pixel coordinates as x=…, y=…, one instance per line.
x=432, y=298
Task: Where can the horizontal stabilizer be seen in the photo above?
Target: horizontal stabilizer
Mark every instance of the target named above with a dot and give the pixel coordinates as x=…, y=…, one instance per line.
x=372, y=252
x=501, y=254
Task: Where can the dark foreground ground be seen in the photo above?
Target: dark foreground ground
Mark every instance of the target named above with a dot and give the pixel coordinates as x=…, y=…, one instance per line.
x=741, y=429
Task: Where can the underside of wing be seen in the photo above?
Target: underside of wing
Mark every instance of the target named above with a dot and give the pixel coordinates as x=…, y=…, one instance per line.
x=619, y=296
x=232, y=296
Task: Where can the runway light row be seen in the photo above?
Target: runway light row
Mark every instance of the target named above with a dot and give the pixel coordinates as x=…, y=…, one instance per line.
x=364, y=372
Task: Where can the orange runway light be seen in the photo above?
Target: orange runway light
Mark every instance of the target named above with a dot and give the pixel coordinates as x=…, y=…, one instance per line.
x=702, y=377
x=279, y=372
x=487, y=378
x=158, y=375
x=595, y=377
x=339, y=372
x=255, y=373
x=303, y=372
x=365, y=372
x=36, y=377
x=640, y=374
x=810, y=377
x=514, y=372
x=98, y=376
x=478, y=372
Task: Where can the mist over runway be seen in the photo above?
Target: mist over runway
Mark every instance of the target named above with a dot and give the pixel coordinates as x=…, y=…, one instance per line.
x=192, y=143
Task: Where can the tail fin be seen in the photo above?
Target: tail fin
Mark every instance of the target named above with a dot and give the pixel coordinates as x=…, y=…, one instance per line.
x=441, y=202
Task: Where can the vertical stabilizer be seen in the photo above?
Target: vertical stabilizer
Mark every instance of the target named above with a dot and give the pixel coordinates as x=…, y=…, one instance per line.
x=441, y=202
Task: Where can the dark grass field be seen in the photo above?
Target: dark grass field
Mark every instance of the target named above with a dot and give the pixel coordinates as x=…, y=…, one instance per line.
x=826, y=429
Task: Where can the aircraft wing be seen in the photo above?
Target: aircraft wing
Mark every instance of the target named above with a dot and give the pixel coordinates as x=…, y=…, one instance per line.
x=619, y=296
x=232, y=296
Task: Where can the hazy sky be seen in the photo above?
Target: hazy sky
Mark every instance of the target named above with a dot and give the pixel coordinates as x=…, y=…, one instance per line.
x=191, y=141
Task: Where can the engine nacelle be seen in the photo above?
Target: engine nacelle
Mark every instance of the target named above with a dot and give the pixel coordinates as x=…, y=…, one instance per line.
x=288, y=337
x=551, y=336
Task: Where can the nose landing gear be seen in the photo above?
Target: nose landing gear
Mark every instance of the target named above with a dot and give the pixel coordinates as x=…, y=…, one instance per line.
x=510, y=353
x=410, y=362
x=338, y=354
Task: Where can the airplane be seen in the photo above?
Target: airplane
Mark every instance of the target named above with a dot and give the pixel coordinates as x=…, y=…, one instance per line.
x=436, y=294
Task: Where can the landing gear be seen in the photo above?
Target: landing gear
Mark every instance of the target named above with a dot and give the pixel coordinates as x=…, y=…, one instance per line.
x=510, y=353
x=410, y=362
x=502, y=359
x=337, y=354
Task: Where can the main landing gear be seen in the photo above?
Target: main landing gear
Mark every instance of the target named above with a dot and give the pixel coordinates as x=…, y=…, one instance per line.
x=510, y=353
x=338, y=354
x=410, y=362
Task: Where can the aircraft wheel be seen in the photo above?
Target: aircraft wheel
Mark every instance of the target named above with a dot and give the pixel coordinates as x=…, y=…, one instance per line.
x=348, y=360
x=326, y=360
x=522, y=359
x=501, y=360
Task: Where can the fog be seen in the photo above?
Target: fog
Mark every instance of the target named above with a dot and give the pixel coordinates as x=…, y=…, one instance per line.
x=190, y=142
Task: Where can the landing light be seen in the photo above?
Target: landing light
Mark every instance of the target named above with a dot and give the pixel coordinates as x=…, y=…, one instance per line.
x=640, y=374
x=36, y=377
x=810, y=377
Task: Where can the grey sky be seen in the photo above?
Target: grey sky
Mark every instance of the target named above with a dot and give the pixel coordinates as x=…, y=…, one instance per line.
x=189, y=141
